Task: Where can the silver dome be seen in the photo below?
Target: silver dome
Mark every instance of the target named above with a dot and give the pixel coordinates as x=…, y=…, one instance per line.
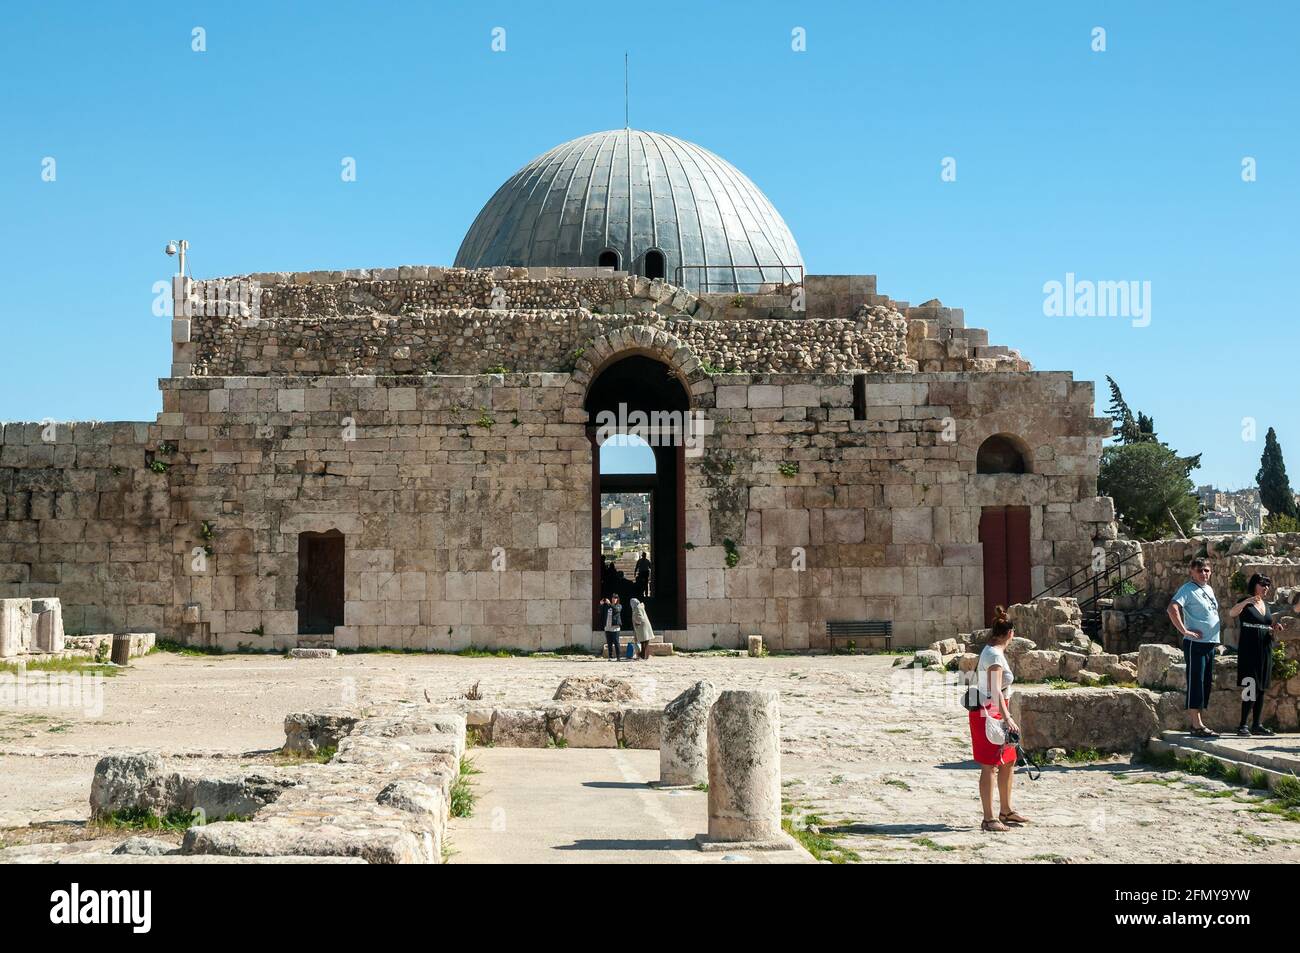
x=619, y=197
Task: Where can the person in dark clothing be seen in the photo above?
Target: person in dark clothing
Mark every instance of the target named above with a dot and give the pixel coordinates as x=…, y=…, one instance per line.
x=642, y=576
x=612, y=616
x=1254, y=652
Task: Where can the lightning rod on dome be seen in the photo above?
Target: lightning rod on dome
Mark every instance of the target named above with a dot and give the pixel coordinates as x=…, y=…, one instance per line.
x=627, y=124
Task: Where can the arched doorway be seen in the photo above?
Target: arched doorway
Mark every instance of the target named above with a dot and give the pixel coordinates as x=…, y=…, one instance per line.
x=654, y=264
x=608, y=259
x=1004, y=531
x=644, y=475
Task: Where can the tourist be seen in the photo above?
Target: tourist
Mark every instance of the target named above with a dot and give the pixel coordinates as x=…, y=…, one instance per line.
x=1194, y=611
x=613, y=616
x=641, y=575
x=1254, y=652
x=641, y=627
x=990, y=722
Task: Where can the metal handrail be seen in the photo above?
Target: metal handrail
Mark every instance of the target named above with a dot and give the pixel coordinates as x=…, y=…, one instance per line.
x=1099, y=590
x=790, y=274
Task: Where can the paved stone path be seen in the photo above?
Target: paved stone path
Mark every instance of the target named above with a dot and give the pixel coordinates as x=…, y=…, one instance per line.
x=584, y=806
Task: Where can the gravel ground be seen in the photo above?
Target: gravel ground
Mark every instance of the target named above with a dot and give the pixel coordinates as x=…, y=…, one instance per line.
x=878, y=757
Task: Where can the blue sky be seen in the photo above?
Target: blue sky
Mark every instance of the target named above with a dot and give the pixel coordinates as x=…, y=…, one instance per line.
x=1123, y=165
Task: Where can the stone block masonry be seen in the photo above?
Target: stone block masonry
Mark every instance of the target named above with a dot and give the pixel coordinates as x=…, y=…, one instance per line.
x=464, y=501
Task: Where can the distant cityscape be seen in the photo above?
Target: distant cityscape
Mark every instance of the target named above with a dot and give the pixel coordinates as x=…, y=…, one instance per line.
x=1230, y=511
x=624, y=524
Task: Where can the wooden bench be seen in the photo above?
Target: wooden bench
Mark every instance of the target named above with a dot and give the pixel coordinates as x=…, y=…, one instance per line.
x=860, y=629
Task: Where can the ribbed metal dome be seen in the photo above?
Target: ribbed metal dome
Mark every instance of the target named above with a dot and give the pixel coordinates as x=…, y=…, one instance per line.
x=637, y=196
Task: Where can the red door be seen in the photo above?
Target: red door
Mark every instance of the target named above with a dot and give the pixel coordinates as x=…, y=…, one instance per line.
x=1004, y=534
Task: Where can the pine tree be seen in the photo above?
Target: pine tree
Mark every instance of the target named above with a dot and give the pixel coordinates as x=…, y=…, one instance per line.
x=1125, y=427
x=1128, y=429
x=1274, y=487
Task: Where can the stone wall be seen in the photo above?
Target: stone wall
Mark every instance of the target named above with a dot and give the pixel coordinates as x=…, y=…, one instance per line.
x=1141, y=617
x=81, y=518
x=474, y=341
x=453, y=321
x=465, y=500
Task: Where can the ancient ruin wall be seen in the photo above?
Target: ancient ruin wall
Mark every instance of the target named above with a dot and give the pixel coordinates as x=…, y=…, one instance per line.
x=453, y=321
x=81, y=519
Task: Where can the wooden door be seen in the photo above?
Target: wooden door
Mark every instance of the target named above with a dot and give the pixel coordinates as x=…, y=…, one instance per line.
x=320, y=582
x=1004, y=535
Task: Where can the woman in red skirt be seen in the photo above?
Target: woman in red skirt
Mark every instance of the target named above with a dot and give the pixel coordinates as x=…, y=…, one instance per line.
x=995, y=678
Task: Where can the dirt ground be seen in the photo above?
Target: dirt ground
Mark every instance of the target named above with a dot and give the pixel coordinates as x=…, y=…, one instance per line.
x=877, y=756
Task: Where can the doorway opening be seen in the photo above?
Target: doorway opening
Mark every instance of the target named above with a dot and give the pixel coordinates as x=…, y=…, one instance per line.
x=608, y=259
x=1004, y=536
x=319, y=596
x=638, y=489
x=654, y=264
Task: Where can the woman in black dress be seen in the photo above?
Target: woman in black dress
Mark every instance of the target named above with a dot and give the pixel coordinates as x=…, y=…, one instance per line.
x=1254, y=652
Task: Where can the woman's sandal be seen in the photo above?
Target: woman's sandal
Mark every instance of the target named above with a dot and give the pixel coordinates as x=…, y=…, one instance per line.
x=1011, y=817
x=992, y=825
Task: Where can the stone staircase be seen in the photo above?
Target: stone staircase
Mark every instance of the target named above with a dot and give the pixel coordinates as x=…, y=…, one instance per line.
x=1250, y=760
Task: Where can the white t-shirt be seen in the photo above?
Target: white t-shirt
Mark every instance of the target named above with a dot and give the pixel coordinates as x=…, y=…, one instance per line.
x=991, y=656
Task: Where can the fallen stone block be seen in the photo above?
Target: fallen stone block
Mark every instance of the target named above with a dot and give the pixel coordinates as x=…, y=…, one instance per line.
x=590, y=728
x=1107, y=719
x=308, y=732
x=1037, y=666
x=604, y=688
x=641, y=728
x=1071, y=664
x=313, y=653
x=1153, y=663
x=925, y=658
x=519, y=728
x=144, y=782
x=272, y=839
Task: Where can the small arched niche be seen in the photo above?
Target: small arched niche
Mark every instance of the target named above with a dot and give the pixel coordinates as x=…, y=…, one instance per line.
x=654, y=264
x=608, y=259
x=1002, y=453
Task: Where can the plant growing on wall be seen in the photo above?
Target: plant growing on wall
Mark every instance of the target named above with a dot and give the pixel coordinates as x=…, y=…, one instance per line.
x=789, y=468
x=485, y=419
x=733, y=554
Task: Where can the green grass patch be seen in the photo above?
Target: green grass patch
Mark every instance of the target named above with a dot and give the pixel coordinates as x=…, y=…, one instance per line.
x=821, y=846
x=178, y=648
x=1282, y=801
x=76, y=665
x=926, y=842
x=319, y=756
x=560, y=742
x=462, y=791
x=139, y=819
x=898, y=783
x=702, y=786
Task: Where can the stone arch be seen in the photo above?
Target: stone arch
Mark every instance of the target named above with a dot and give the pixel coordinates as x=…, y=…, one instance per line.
x=1009, y=427
x=1003, y=453
x=648, y=341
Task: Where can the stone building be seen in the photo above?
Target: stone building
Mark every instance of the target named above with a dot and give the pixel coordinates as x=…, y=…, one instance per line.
x=407, y=457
